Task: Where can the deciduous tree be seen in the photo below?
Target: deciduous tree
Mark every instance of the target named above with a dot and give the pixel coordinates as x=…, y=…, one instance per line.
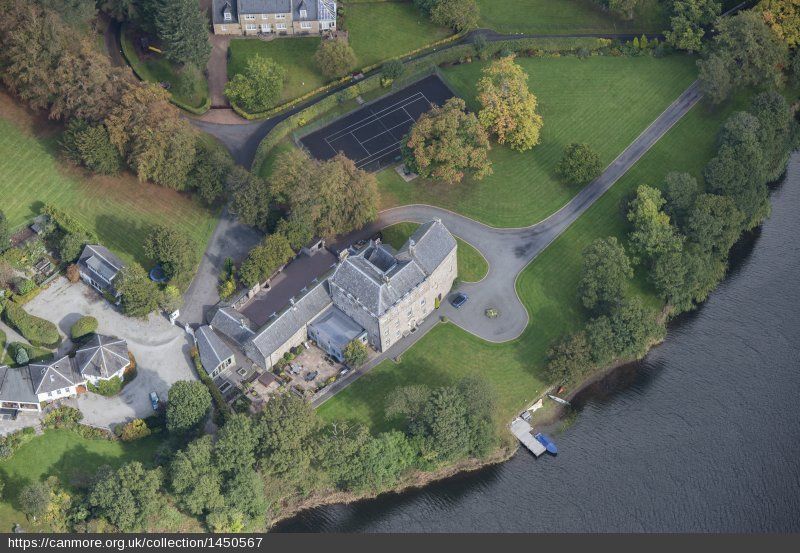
x=715, y=223
x=250, y=197
x=508, y=107
x=127, y=496
x=446, y=143
x=188, y=404
x=748, y=49
x=287, y=430
x=355, y=353
x=195, y=477
x=580, y=164
x=139, y=294
x=259, y=87
x=265, y=259
x=605, y=276
x=236, y=444
x=783, y=17
x=687, y=22
x=34, y=499
x=335, y=58
x=459, y=15
x=155, y=142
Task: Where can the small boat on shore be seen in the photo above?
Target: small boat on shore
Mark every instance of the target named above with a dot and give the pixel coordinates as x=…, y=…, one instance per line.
x=558, y=399
x=548, y=444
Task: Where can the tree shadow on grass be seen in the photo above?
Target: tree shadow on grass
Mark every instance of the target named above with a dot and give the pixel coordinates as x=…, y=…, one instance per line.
x=122, y=235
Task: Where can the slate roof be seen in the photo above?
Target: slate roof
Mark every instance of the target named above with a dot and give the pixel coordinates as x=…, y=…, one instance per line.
x=376, y=278
x=211, y=348
x=16, y=385
x=218, y=9
x=277, y=331
x=232, y=324
x=100, y=263
x=102, y=356
x=429, y=245
x=48, y=376
x=264, y=6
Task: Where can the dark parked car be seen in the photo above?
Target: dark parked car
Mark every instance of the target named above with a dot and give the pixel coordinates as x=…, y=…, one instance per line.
x=458, y=299
x=154, y=400
x=311, y=376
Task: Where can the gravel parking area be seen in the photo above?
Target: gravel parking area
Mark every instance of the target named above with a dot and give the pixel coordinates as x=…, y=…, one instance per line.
x=161, y=350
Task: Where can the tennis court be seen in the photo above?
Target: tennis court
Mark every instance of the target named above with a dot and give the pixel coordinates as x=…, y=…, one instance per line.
x=371, y=136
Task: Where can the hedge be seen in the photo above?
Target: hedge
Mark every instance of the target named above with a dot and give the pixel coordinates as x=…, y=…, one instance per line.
x=67, y=222
x=222, y=406
x=83, y=326
x=38, y=331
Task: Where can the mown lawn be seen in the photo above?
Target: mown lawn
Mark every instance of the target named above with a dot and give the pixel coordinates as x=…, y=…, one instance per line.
x=158, y=69
x=603, y=101
x=296, y=55
x=548, y=288
x=568, y=16
x=67, y=455
x=472, y=266
x=383, y=30
x=120, y=210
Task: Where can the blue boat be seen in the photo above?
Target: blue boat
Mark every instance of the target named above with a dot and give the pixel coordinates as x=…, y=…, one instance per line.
x=548, y=444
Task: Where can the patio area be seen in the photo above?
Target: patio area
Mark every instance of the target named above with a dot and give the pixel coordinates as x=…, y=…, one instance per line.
x=311, y=370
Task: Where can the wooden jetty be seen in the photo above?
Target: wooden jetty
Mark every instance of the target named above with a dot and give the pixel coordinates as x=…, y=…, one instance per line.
x=522, y=430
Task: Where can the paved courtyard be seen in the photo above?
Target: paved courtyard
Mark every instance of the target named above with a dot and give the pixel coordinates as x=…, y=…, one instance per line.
x=161, y=350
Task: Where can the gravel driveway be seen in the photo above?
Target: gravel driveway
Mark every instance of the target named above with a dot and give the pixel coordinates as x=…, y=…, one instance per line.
x=161, y=350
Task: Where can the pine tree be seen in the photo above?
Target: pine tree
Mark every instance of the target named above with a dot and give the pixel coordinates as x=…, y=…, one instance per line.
x=184, y=30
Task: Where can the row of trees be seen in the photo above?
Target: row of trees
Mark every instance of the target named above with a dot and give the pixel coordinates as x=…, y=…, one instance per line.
x=284, y=450
x=680, y=238
x=448, y=142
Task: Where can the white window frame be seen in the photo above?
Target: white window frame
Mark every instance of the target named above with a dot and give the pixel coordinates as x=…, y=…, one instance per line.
x=264, y=16
x=280, y=16
x=251, y=27
x=265, y=28
x=305, y=24
x=280, y=26
x=249, y=17
x=228, y=16
x=303, y=13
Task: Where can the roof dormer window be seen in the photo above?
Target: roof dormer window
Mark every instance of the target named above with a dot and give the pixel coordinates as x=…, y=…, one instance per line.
x=303, y=13
x=228, y=16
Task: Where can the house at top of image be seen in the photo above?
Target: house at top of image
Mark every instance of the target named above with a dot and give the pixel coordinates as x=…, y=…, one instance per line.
x=273, y=17
x=374, y=294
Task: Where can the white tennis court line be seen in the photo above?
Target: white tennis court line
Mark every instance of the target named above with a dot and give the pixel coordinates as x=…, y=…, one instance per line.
x=400, y=105
x=366, y=121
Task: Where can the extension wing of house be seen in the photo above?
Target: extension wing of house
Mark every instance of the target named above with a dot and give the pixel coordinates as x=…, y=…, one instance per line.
x=54, y=379
x=375, y=295
x=215, y=355
x=273, y=17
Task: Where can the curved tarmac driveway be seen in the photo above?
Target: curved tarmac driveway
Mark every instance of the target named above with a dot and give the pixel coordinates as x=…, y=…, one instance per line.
x=509, y=250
